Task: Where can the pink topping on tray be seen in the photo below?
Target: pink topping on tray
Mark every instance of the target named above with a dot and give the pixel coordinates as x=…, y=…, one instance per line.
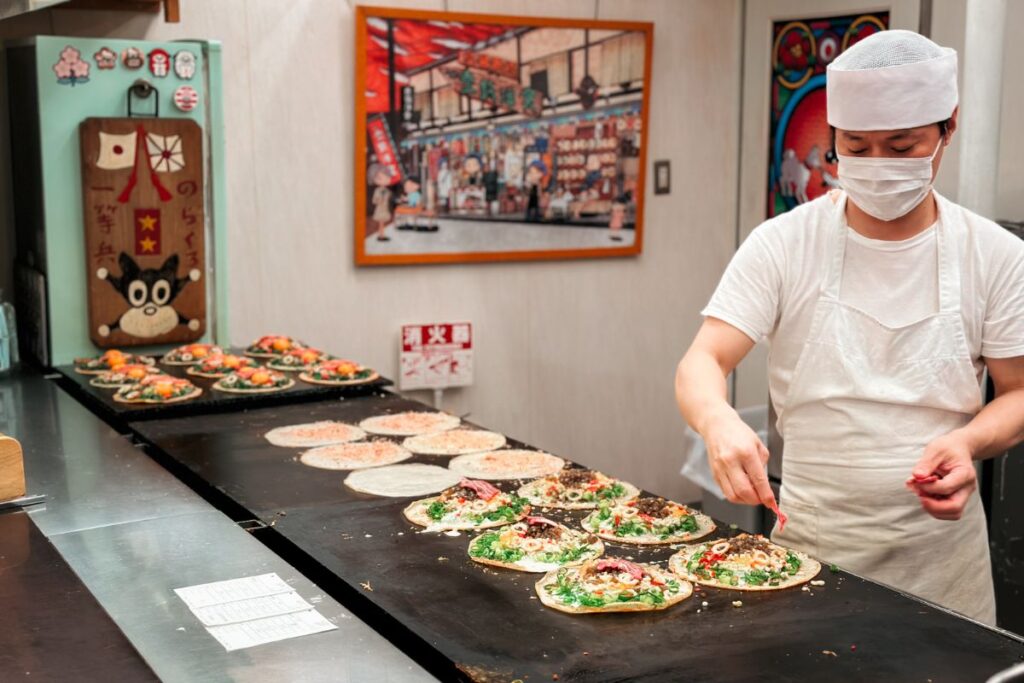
x=533, y=519
x=484, y=490
x=634, y=570
x=783, y=518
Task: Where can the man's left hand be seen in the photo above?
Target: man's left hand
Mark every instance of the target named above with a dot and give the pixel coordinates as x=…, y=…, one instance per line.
x=949, y=458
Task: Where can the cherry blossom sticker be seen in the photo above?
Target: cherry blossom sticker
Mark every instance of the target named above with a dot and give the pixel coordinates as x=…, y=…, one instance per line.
x=105, y=58
x=71, y=69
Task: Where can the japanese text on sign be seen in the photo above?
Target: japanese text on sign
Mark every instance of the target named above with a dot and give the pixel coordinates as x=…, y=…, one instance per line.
x=384, y=147
x=436, y=356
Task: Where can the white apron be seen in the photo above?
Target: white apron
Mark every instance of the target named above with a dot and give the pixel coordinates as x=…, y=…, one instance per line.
x=864, y=401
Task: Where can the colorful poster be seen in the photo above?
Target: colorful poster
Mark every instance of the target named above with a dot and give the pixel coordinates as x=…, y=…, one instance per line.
x=484, y=138
x=801, y=162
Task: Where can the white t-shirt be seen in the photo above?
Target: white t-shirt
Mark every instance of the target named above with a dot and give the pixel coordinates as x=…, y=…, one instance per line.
x=773, y=282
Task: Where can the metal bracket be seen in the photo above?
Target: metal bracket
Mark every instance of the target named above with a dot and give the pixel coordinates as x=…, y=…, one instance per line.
x=143, y=89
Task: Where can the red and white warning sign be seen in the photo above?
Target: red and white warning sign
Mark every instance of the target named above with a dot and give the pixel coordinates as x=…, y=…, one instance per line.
x=436, y=356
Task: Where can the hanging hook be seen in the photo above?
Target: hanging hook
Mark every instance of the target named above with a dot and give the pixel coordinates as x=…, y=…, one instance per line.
x=143, y=89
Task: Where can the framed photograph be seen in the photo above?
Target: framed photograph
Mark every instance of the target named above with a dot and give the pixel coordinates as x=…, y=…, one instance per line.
x=495, y=138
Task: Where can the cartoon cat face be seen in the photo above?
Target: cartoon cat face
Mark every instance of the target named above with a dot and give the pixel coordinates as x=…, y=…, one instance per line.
x=149, y=292
x=148, y=288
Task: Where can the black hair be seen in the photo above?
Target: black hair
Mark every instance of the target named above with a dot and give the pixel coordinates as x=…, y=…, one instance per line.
x=832, y=156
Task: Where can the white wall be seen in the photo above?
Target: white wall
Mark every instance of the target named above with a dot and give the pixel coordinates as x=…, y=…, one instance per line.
x=948, y=19
x=575, y=357
x=1010, y=183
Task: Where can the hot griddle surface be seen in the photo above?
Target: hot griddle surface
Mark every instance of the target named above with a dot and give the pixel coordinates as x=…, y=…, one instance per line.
x=485, y=624
x=210, y=401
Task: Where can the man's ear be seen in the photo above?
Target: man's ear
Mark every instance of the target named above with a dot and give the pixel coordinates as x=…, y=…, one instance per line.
x=951, y=125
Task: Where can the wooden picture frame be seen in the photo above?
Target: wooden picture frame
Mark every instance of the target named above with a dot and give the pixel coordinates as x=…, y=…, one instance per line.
x=554, y=159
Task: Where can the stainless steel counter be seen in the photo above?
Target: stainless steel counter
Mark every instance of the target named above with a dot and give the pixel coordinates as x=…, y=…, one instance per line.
x=133, y=533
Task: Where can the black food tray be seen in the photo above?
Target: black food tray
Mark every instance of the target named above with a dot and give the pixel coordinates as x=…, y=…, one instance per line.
x=210, y=401
x=465, y=621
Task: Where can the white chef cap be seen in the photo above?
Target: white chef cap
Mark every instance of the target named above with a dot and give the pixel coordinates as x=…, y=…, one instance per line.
x=890, y=81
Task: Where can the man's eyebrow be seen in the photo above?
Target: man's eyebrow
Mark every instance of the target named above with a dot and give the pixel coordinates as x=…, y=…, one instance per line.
x=900, y=134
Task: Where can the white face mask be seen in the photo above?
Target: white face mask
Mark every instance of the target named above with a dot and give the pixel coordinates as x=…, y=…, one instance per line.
x=887, y=187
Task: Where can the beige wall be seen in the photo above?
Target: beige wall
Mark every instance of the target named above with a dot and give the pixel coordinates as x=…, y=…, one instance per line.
x=948, y=19
x=1010, y=197
x=574, y=357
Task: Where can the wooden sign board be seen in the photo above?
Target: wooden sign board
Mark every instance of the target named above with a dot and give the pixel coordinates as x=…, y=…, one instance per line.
x=12, y=469
x=142, y=184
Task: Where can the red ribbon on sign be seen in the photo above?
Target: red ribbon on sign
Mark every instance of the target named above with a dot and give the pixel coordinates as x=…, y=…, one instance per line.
x=126, y=193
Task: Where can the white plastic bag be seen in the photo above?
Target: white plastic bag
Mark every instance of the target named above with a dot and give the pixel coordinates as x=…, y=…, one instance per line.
x=695, y=455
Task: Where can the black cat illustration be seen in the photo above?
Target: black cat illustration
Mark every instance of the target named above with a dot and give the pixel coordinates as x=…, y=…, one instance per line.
x=149, y=293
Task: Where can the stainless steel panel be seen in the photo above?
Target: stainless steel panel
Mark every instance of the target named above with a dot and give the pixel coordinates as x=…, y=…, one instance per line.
x=133, y=569
x=90, y=475
x=133, y=533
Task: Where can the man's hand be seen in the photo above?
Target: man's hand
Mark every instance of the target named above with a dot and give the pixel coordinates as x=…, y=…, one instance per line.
x=949, y=458
x=737, y=457
x=738, y=460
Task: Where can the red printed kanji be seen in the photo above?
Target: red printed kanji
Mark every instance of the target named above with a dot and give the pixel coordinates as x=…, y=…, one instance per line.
x=448, y=335
x=105, y=216
x=104, y=252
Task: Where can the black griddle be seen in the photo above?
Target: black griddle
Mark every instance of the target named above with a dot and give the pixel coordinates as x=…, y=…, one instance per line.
x=465, y=621
x=210, y=401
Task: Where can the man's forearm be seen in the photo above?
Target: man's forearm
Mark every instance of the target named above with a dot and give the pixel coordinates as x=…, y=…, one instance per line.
x=998, y=427
x=701, y=391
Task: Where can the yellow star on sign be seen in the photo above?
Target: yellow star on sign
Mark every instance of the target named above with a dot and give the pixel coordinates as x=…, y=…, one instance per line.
x=147, y=222
x=147, y=244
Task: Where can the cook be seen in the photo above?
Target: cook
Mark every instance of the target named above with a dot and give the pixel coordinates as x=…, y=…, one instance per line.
x=883, y=304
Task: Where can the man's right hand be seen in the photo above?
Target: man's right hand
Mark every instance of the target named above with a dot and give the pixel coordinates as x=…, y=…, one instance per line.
x=738, y=459
x=737, y=456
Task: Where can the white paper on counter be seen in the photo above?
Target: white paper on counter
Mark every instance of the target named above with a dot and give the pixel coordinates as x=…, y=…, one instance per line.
x=253, y=608
x=270, y=629
x=219, y=592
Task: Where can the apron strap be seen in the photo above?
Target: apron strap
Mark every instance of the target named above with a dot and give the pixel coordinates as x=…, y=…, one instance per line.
x=949, y=268
x=836, y=251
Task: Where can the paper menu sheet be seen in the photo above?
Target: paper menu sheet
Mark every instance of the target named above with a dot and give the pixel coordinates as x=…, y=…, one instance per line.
x=269, y=630
x=253, y=610
x=232, y=590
